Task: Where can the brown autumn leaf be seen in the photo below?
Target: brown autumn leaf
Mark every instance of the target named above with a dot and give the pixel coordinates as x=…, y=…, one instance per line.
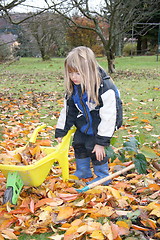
x=136, y=227
x=128, y=188
x=64, y=213
x=1, y=237
x=133, y=118
x=42, y=202
x=32, y=206
x=106, y=211
x=154, y=187
x=149, y=223
x=145, y=121
x=44, y=142
x=6, y=223
x=29, y=154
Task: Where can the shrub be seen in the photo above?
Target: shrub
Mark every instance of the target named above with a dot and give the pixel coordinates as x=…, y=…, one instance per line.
x=5, y=52
x=130, y=49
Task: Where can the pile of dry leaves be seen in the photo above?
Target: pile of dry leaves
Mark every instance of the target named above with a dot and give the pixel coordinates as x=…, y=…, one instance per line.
x=127, y=209
x=27, y=155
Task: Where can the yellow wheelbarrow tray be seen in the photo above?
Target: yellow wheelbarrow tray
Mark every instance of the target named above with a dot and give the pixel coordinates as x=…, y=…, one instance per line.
x=35, y=174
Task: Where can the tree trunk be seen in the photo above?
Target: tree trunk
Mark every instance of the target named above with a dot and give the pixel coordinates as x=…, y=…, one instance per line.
x=144, y=45
x=119, y=45
x=139, y=45
x=111, y=59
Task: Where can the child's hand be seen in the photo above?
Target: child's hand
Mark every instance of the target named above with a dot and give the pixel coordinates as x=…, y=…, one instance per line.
x=99, y=151
x=59, y=140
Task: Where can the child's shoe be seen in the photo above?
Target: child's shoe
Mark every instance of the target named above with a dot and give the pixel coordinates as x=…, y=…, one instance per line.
x=100, y=171
x=83, y=168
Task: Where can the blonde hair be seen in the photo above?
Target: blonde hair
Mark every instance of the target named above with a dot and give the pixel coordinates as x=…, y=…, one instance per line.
x=82, y=60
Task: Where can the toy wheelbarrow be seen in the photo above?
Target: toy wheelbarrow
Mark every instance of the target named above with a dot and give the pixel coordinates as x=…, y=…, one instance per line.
x=35, y=174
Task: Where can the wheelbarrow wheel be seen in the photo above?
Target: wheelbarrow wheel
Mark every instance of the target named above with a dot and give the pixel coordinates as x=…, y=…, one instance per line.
x=8, y=195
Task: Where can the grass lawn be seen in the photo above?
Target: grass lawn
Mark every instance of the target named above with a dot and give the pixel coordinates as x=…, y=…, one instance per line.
x=30, y=88
x=41, y=84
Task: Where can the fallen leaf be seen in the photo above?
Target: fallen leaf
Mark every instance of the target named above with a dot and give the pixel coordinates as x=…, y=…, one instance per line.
x=149, y=223
x=64, y=213
x=68, y=196
x=32, y=206
x=123, y=224
x=8, y=233
x=139, y=228
x=43, y=202
x=71, y=233
x=107, y=231
x=97, y=234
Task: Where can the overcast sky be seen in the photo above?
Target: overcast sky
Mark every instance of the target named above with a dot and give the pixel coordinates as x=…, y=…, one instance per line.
x=34, y=3
x=42, y=4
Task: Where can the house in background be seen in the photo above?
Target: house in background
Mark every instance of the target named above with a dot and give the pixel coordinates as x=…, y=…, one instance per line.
x=8, y=39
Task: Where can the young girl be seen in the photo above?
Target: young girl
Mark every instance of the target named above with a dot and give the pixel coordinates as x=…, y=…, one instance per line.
x=90, y=105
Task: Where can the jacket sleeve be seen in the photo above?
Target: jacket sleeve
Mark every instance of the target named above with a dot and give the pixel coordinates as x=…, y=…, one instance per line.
x=66, y=119
x=107, y=114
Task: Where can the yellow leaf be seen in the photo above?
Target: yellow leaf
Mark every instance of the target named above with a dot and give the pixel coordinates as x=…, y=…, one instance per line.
x=114, y=192
x=64, y=213
x=122, y=224
x=70, y=231
x=152, y=206
x=97, y=234
x=155, y=212
x=47, y=209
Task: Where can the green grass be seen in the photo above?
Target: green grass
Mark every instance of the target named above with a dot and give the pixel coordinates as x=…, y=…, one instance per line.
x=43, y=236
x=137, y=79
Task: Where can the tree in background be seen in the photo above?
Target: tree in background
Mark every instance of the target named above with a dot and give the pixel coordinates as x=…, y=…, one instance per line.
x=120, y=15
x=77, y=36
x=48, y=30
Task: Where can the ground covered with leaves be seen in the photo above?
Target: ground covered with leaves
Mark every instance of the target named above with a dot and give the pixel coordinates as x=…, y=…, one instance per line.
x=127, y=209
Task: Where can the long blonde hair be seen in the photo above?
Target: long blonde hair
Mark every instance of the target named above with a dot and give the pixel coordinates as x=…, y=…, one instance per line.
x=82, y=60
